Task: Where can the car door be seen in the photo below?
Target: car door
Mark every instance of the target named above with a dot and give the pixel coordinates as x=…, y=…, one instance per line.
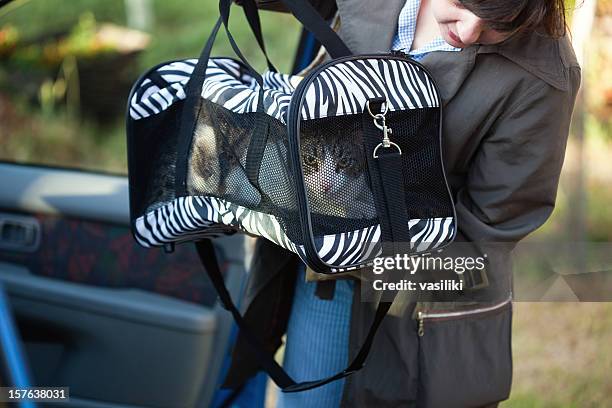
x=118, y=324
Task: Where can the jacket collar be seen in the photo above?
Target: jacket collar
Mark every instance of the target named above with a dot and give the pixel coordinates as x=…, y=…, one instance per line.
x=544, y=57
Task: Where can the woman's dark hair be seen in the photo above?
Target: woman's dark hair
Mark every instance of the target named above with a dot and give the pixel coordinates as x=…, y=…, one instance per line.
x=521, y=15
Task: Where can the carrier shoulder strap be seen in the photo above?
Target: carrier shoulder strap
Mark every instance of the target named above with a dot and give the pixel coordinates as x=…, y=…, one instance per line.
x=208, y=257
x=252, y=16
x=316, y=24
x=385, y=171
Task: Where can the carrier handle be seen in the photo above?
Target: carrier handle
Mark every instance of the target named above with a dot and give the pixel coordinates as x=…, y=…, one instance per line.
x=303, y=11
x=208, y=257
x=259, y=138
x=193, y=90
x=310, y=18
x=224, y=11
x=252, y=15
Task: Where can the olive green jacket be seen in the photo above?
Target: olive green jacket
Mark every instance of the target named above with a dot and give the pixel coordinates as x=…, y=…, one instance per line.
x=507, y=111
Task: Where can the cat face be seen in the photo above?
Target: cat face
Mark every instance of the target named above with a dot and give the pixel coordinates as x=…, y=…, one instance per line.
x=330, y=164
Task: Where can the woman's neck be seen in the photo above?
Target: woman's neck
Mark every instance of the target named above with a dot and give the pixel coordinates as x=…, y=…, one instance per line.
x=427, y=28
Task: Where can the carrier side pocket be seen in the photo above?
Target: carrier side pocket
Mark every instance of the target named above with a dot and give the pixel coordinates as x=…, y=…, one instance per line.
x=465, y=356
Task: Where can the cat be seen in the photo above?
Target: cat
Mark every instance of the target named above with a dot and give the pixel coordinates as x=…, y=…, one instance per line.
x=217, y=166
x=334, y=170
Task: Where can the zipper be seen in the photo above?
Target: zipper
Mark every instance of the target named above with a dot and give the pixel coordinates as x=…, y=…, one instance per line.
x=293, y=123
x=440, y=316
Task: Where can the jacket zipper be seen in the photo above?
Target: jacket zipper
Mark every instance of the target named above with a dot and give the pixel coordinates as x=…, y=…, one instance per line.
x=293, y=131
x=440, y=316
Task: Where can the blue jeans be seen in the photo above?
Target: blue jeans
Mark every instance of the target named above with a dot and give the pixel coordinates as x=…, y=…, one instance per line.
x=317, y=343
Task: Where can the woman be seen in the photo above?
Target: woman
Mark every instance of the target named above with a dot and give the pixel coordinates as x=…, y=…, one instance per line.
x=508, y=78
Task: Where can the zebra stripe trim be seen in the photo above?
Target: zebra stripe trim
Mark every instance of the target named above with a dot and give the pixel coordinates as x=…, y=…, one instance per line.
x=192, y=217
x=339, y=89
x=227, y=84
x=344, y=88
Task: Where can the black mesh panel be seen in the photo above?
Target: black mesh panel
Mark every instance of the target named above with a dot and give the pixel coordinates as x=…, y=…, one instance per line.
x=335, y=169
x=333, y=164
x=218, y=159
x=152, y=159
x=335, y=175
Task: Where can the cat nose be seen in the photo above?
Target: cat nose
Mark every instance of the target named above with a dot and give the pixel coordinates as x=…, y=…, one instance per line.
x=326, y=186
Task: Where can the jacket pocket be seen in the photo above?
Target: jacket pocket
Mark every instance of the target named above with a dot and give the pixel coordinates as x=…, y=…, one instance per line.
x=465, y=356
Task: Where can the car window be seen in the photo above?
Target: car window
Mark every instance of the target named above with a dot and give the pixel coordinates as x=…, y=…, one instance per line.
x=66, y=68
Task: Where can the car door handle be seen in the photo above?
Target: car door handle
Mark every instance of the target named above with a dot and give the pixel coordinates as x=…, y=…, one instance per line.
x=19, y=233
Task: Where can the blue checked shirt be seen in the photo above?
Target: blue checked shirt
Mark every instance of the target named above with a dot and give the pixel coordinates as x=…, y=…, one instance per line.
x=406, y=27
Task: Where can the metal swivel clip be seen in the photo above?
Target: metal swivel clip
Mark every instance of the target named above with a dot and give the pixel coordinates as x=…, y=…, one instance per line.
x=380, y=122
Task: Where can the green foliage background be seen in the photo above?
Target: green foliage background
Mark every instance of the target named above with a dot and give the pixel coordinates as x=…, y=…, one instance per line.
x=180, y=30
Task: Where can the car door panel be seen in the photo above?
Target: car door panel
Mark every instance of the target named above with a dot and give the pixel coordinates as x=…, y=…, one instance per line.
x=106, y=254
x=67, y=192
x=116, y=345
x=119, y=324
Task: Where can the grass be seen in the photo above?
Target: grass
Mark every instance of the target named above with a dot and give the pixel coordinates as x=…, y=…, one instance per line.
x=562, y=355
x=58, y=139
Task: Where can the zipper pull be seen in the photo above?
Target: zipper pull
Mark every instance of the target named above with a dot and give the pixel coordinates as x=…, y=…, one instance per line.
x=421, y=319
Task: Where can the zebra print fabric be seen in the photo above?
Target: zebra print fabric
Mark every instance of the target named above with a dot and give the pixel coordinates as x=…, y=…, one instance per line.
x=188, y=218
x=227, y=84
x=341, y=89
x=344, y=88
